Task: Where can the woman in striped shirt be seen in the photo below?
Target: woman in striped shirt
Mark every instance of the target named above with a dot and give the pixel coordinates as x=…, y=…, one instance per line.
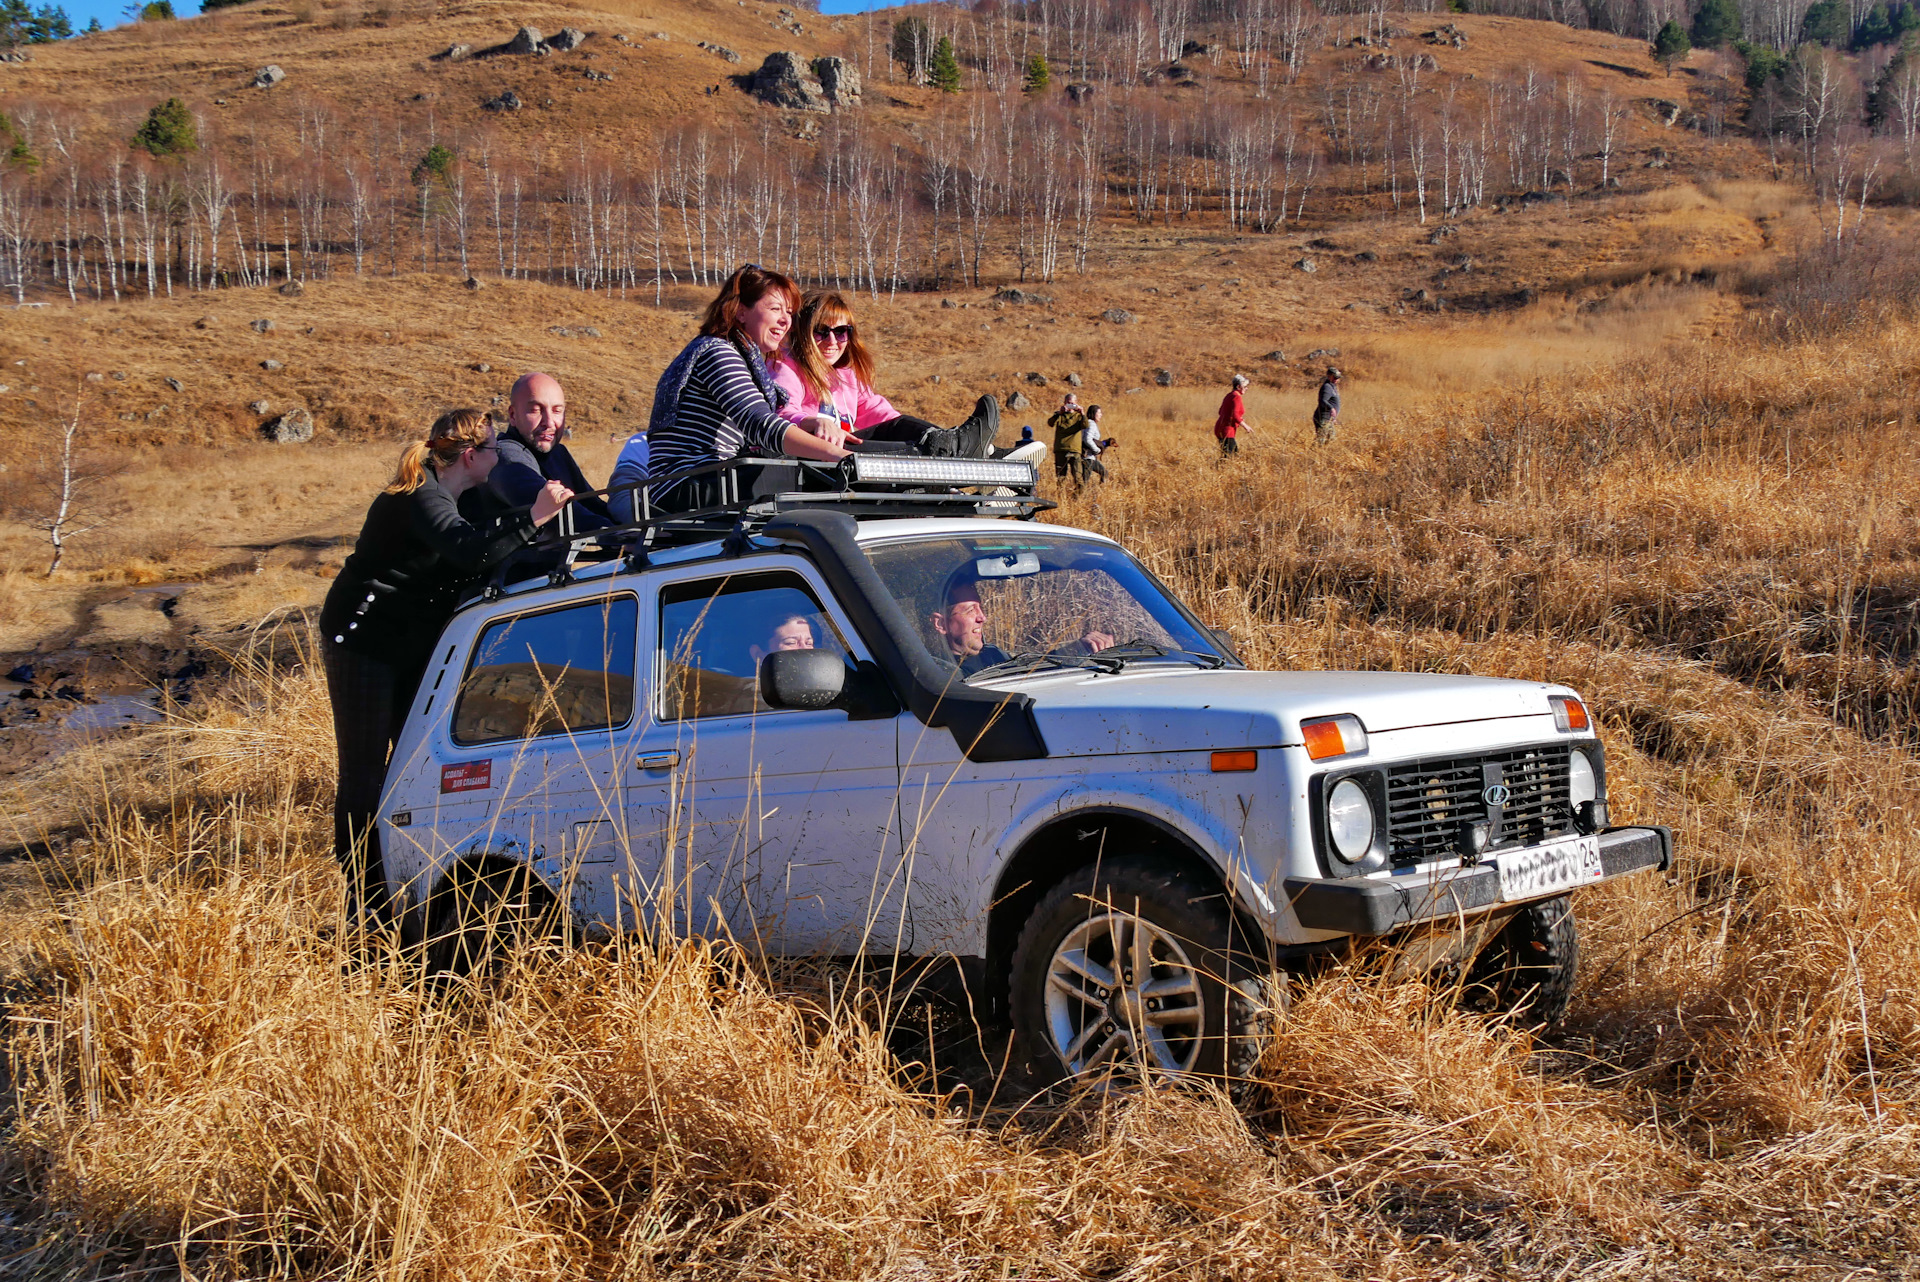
x=716, y=401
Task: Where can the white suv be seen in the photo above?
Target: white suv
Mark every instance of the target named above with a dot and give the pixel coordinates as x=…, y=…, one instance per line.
x=984, y=741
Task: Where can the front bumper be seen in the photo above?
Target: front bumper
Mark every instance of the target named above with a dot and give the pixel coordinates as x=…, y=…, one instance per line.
x=1377, y=907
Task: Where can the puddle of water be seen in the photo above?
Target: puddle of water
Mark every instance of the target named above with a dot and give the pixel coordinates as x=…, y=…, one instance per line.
x=115, y=711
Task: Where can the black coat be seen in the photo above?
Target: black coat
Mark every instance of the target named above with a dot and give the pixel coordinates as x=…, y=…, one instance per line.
x=521, y=472
x=415, y=557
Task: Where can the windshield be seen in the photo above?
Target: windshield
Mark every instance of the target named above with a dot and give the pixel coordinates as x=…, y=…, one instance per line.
x=1000, y=604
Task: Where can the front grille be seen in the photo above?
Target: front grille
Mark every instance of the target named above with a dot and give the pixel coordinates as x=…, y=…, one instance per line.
x=1429, y=801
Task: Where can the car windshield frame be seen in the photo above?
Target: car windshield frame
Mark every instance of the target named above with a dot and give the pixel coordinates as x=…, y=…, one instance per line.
x=1058, y=549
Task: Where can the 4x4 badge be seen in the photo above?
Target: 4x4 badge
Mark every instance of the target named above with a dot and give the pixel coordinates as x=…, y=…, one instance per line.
x=1496, y=795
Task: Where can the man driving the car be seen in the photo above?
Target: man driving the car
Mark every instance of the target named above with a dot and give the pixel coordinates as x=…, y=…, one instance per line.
x=962, y=626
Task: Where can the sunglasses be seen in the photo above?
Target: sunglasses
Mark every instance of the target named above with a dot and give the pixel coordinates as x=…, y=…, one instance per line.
x=838, y=333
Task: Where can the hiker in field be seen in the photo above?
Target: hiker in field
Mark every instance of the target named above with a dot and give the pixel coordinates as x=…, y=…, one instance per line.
x=415, y=556
x=826, y=369
x=531, y=454
x=1093, y=445
x=1069, y=424
x=1326, y=413
x=1232, y=419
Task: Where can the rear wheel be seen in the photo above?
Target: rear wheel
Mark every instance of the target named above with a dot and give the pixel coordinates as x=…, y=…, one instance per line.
x=479, y=916
x=1137, y=968
x=1527, y=970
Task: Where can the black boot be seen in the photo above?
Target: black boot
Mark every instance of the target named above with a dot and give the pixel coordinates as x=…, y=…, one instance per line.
x=972, y=439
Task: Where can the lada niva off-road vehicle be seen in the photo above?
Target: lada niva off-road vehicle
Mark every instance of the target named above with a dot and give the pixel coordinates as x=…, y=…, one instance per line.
x=875, y=713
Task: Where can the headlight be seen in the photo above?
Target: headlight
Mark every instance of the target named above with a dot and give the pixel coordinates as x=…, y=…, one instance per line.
x=1350, y=820
x=1582, y=787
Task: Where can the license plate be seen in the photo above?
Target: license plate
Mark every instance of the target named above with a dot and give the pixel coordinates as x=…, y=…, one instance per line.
x=1547, y=870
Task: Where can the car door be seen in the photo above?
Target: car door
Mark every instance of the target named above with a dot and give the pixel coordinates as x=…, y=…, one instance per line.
x=780, y=826
x=544, y=724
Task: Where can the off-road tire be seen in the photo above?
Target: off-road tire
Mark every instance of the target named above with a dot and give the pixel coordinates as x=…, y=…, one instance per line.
x=1526, y=971
x=1237, y=987
x=479, y=916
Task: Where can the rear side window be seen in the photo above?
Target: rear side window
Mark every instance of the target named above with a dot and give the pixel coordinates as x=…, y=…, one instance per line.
x=714, y=632
x=558, y=672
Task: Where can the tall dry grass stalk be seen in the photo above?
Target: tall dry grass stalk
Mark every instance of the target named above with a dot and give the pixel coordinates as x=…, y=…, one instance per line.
x=207, y=1071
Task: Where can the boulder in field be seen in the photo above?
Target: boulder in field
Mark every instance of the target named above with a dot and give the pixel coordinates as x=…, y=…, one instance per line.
x=295, y=427
x=1018, y=402
x=508, y=101
x=1163, y=377
x=176, y=384
x=719, y=51
x=263, y=326
x=258, y=407
x=268, y=76
x=293, y=289
x=526, y=40
x=565, y=40
x=271, y=366
x=1117, y=316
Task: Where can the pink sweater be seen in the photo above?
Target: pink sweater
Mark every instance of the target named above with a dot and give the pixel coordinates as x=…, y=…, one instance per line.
x=853, y=402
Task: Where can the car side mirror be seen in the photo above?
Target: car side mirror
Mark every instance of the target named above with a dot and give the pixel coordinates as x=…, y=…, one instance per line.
x=814, y=680
x=804, y=680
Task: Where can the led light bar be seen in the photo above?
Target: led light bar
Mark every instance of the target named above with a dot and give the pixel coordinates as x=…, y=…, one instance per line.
x=910, y=469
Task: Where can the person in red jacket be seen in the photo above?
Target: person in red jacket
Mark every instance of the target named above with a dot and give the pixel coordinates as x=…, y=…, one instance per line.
x=1233, y=417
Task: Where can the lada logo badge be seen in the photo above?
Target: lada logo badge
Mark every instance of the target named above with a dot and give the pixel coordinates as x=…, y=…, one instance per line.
x=1496, y=794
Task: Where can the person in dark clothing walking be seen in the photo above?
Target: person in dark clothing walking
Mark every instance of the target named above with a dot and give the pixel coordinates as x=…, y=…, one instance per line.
x=415, y=555
x=1326, y=413
x=1069, y=424
x=1232, y=418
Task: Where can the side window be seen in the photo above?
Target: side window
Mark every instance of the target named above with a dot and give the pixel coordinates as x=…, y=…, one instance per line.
x=714, y=632
x=553, y=673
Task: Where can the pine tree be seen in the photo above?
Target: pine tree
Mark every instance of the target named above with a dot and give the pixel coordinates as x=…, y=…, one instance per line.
x=1671, y=45
x=169, y=130
x=945, y=71
x=1715, y=23
x=1038, y=77
x=1828, y=23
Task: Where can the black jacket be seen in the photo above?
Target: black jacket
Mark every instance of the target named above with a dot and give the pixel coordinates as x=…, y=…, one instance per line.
x=522, y=470
x=415, y=556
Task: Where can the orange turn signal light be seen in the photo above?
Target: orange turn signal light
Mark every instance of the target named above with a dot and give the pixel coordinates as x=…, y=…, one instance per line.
x=1568, y=712
x=1333, y=737
x=1243, y=759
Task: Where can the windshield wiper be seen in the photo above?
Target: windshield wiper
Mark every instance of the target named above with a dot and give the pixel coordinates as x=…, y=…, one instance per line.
x=1034, y=660
x=1138, y=649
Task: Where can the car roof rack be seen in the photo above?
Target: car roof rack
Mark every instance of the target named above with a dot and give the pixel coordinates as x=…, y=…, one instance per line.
x=743, y=494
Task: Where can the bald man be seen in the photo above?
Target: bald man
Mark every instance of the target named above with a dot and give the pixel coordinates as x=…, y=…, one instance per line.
x=531, y=453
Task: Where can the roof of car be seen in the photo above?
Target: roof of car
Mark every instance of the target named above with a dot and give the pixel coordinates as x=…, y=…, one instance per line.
x=869, y=532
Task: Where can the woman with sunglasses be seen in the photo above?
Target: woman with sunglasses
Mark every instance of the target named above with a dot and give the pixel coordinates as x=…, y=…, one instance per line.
x=717, y=401
x=826, y=370
x=415, y=555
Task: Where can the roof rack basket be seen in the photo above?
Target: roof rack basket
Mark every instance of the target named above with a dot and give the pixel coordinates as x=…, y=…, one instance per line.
x=734, y=498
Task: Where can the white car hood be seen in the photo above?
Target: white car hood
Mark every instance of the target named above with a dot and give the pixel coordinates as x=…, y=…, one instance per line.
x=1157, y=709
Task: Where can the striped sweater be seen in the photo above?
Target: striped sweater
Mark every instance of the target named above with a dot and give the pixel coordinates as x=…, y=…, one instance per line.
x=715, y=402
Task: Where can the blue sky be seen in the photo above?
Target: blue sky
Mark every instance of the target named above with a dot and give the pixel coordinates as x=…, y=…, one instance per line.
x=112, y=12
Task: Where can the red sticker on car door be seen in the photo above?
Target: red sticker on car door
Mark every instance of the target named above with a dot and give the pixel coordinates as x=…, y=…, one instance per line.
x=467, y=776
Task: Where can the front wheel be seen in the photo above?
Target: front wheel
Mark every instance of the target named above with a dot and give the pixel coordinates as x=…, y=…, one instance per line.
x=478, y=917
x=1527, y=969
x=1135, y=967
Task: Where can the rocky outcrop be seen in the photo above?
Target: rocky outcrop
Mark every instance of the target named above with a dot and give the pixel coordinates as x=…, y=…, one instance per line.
x=564, y=40
x=785, y=80
x=839, y=81
x=525, y=41
x=1020, y=297
x=268, y=76
x=1117, y=316
x=719, y=51
x=508, y=101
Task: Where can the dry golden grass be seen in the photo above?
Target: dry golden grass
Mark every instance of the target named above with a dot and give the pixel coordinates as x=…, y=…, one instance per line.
x=1700, y=537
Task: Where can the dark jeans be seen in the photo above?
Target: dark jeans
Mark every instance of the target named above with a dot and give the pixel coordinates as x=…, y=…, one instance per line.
x=1229, y=445
x=1090, y=466
x=1067, y=463
x=906, y=428
x=370, y=699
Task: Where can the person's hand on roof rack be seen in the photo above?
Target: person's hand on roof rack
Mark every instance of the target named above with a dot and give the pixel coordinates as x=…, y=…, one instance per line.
x=827, y=428
x=547, y=503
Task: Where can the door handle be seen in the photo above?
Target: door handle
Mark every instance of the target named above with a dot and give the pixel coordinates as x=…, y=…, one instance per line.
x=661, y=761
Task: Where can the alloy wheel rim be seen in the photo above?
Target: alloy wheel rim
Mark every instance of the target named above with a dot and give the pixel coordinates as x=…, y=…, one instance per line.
x=1122, y=994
